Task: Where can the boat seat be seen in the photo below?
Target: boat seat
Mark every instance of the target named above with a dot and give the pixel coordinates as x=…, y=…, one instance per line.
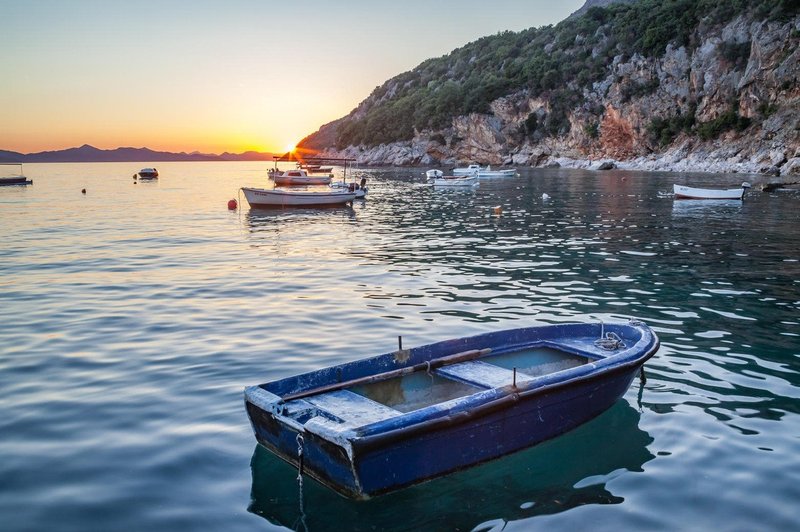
x=482, y=374
x=354, y=410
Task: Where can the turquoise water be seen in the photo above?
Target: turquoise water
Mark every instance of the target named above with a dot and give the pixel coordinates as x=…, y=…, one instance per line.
x=135, y=314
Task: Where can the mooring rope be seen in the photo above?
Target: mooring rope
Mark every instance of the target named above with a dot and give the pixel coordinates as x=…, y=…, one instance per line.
x=610, y=342
x=299, y=440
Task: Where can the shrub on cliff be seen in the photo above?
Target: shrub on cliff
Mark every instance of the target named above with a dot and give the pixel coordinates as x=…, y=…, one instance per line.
x=555, y=63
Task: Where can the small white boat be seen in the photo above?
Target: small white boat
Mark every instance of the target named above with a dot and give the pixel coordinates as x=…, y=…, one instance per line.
x=684, y=192
x=473, y=169
x=360, y=189
x=316, y=169
x=488, y=172
x=484, y=171
x=259, y=197
x=438, y=179
x=298, y=177
x=148, y=173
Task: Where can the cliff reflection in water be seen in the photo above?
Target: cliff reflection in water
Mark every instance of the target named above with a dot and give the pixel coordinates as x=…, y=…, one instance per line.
x=552, y=477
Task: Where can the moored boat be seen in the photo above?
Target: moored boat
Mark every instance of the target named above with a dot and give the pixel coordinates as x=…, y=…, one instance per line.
x=484, y=171
x=18, y=179
x=298, y=177
x=684, y=192
x=472, y=169
x=22, y=180
x=359, y=188
x=259, y=197
x=488, y=172
x=148, y=173
x=438, y=179
x=375, y=425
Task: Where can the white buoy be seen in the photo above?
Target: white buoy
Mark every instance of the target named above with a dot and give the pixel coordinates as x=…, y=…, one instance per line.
x=545, y=196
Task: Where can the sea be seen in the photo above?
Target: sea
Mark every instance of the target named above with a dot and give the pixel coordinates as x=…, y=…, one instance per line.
x=134, y=314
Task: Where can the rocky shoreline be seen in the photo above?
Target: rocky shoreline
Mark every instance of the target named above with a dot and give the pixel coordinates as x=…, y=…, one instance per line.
x=743, y=112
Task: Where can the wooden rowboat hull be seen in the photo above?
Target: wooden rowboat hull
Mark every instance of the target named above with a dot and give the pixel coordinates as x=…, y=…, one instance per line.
x=683, y=192
x=376, y=425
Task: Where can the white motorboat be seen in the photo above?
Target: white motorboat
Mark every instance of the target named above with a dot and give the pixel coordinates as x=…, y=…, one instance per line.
x=298, y=177
x=488, y=172
x=684, y=192
x=472, y=169
x=438, y=179
x=316, y=169
x=148, y=173
x=360, y=189
x=259, y=197
x=484, y=171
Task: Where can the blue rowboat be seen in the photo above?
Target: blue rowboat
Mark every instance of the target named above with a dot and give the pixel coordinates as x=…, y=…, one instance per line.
x=376, y=425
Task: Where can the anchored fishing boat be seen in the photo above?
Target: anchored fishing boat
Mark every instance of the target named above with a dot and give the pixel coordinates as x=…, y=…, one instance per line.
x=18, y=179
x=298, y=177
x=270, y=198
x=488, y=172
x=376, y=425
x=148, y=173
x=438, y=179
x=684, y=192
x=359, y=188
x=259, y=197
x=484, y=171
x=472, y=169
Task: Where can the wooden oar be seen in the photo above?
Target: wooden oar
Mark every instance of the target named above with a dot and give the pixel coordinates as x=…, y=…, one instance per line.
x=437, y=363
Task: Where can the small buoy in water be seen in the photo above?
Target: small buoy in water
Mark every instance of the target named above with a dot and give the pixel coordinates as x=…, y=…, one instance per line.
x=498, y=209
x=545, y=196
x=232, y=205
x=83, y=191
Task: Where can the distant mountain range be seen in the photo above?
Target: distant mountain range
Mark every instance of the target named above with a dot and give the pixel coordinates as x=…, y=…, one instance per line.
x=90, y=154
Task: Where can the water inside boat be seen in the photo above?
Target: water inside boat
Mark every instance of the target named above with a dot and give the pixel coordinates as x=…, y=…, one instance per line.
x=419, y=390
x=414, y=391
x=538, y=361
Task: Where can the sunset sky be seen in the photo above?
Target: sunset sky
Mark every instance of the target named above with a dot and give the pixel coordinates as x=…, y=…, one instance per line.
x=217, y=76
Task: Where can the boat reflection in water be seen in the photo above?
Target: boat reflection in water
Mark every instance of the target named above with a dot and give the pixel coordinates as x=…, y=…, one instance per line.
x=554, y=476
x=706, y=208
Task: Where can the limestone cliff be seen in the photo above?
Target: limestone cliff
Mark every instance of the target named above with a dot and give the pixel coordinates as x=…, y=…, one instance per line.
x=727, y=102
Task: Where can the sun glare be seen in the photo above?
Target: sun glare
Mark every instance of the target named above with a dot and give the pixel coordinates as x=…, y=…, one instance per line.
x=290, y=147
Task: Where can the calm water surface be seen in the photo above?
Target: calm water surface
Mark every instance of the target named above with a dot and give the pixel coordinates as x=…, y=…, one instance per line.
x=134, y=315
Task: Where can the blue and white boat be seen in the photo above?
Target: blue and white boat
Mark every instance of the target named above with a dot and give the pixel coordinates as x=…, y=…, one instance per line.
x=375, y=425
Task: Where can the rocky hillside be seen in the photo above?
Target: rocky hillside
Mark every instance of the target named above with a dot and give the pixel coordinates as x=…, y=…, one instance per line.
x=708, y=85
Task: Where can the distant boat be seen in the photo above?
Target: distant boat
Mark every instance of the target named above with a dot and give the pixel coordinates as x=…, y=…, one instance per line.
x=488, y=172
x=148, y=173
x=360, y=188
x=298, y=177
x=259, y=197
x=315, y=168
x=683, y=192
x=472, y=169
x=375, y=425
x=484, y=171
x=438, y=179
x=15, y=180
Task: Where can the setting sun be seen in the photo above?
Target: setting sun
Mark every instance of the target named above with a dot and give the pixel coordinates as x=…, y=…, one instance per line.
x=290, y=147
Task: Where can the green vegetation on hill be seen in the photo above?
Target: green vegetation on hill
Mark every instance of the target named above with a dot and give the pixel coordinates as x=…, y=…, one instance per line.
x=555, y=63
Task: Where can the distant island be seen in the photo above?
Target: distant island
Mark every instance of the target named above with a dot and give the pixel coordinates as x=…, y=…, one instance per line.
x=679, y=85
x=90, y=154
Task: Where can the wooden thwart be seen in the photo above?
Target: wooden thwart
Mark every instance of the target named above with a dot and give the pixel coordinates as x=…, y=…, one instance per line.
x=437, y=363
